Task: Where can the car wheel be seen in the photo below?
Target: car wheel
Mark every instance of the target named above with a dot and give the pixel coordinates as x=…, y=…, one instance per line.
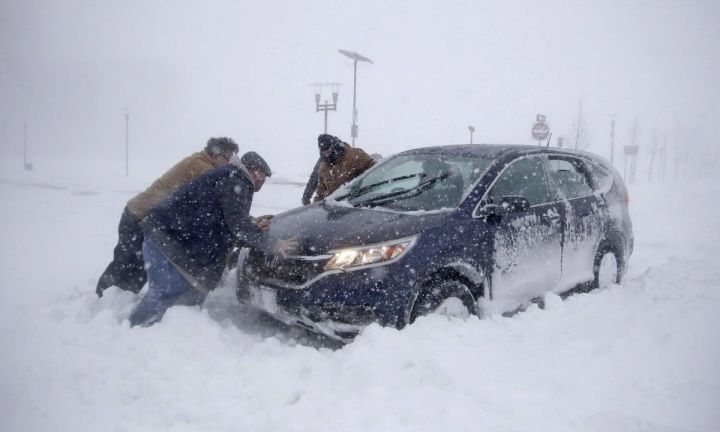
x=447, y=297
x=606, y=267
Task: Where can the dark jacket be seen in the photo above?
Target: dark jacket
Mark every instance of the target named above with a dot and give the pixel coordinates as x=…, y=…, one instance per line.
x=198, y=225
x=311, y=184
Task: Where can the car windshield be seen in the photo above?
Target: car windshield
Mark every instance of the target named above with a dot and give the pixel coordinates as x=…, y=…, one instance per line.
x=415, y=182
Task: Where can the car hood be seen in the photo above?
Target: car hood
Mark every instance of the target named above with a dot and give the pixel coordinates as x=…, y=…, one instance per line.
x=320, y=227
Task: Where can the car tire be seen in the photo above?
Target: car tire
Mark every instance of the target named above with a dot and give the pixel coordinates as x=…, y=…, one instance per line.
x=606, y=268
x=449, y=297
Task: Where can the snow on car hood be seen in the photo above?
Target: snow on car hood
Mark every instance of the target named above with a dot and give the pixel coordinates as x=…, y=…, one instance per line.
x=320, y=227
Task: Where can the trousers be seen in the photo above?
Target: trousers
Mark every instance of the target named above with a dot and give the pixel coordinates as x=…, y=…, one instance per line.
x=127, y=269
x=166, y=288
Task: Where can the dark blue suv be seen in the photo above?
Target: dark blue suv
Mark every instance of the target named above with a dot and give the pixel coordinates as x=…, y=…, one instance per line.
x=467, y=229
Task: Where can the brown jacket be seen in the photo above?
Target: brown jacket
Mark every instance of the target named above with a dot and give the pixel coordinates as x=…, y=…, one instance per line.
x=184, y=171
x=330, y=177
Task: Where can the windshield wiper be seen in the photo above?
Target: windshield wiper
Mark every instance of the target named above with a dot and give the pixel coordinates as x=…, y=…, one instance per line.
x=398, y=196
x=363, y=190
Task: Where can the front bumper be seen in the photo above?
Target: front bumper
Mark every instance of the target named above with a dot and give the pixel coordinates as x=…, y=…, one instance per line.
x=336, y=304
x=318, y=321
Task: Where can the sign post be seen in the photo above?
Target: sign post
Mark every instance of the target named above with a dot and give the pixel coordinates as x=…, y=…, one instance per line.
x=26, y=165
x=631, y=152
x=540, y=129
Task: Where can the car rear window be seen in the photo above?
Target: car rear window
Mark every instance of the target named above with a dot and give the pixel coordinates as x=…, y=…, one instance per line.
x=602, y=177
x=571, y=177
x=524, y=177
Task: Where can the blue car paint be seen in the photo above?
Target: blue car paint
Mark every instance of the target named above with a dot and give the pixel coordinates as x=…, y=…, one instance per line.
x=450, y=240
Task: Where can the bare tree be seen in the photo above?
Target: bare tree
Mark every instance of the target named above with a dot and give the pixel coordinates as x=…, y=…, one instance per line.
x=663, y=159
x=580, y=129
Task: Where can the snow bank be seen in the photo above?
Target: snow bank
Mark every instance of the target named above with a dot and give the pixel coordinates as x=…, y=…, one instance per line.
x=638, y=357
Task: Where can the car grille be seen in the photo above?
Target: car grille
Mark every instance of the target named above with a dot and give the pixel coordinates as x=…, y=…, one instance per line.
x=275, y=270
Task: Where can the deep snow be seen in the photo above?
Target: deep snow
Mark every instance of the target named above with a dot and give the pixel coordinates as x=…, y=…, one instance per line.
x=642, y=356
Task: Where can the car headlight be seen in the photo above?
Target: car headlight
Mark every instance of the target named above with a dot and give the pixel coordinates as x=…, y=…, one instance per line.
x=375, y=254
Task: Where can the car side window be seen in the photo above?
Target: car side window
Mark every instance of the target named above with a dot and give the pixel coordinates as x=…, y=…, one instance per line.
x=601, y=176
x=524, y=177
x=571, y=177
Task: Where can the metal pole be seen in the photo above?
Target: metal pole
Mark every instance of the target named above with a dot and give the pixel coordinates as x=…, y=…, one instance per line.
x=676, y=159
x=127, y=134
x=612, y=140
x=625, y=173
x=354, y=129
x=24, y=146
x=326, y=112
x=326, y=106
x=706, y=159
x=355, y=58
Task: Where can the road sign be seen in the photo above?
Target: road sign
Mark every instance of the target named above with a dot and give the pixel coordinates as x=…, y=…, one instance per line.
x=631, y=150
x=540, y=131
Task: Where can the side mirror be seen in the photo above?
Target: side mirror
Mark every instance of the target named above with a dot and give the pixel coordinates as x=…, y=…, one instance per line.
x=491, y=211
x=515, y=204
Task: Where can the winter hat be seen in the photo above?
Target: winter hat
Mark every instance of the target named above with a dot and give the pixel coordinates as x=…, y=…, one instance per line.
x=326, y=141
x=254, y=161
x=218, y=145
x=335, y=145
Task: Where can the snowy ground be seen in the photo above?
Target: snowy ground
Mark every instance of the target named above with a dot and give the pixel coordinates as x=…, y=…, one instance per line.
x=643, y=356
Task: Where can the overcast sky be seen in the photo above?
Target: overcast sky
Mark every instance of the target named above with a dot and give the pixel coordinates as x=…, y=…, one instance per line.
x=186, y=71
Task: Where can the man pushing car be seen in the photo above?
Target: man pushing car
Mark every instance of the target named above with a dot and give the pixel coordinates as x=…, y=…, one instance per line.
x=189, y=235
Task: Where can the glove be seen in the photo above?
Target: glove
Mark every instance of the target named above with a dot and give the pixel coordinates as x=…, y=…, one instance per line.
x=263, y=222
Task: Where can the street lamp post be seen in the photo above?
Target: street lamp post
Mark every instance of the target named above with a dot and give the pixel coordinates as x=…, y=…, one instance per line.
x=26, y=166
x=325, y=107
x=127, y=143
x=472, y=130
x=612, y=139
x=355, y=57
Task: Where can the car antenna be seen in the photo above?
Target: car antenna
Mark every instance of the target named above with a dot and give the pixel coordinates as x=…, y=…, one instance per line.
x=549, y=138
